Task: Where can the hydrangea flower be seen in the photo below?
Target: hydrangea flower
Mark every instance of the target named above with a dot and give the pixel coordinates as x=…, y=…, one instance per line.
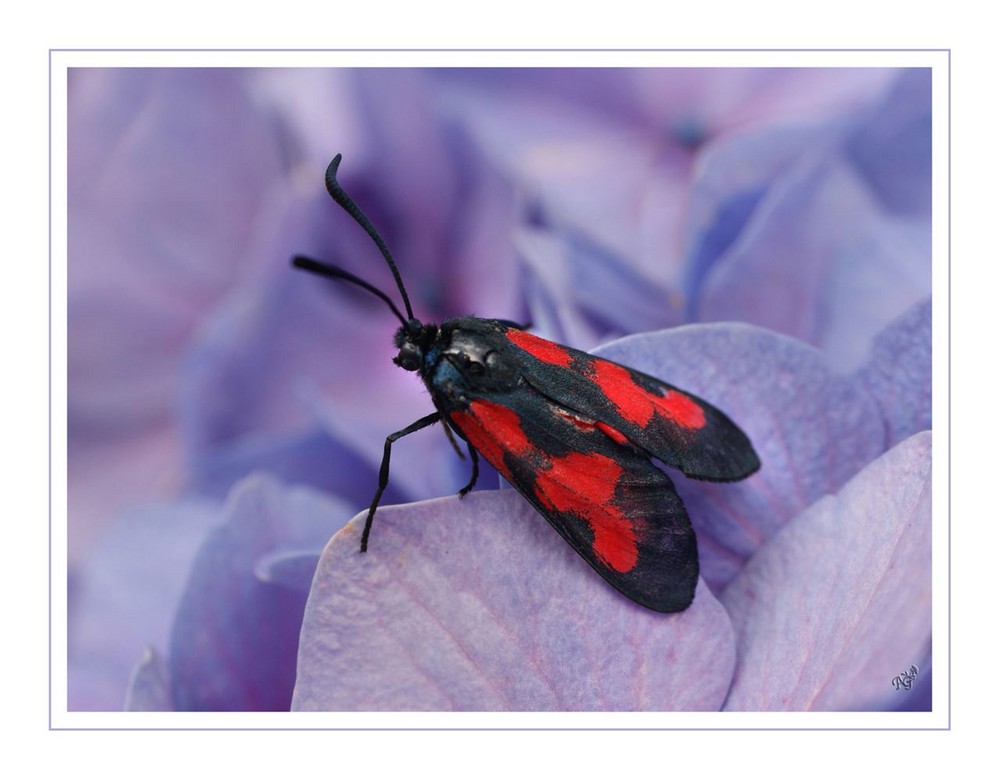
x=594, y=203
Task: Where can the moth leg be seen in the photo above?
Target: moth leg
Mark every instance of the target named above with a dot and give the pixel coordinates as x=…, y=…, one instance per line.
x=451, y=439
x=474, y=457
x=383, y=472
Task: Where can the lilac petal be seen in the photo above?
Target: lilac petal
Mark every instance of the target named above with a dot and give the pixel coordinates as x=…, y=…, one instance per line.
x=149, y=687
x=839, y=603
x=476, y=604
x=812, y=429
x=898, y=374
x=290, y=567
x=313, y=106
x=892, y=149
x=311, y=458
x=111, y=475
x=733, y=178
x=722, y=99
x=271, y=351
x=581, y=295
x=818, y=258
x=123, y=598
x=559, y=152
x=167, y=172
x=235, y=637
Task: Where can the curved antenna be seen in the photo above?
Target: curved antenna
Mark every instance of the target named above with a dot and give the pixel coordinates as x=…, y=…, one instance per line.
x=344, y=201
x=333, y=272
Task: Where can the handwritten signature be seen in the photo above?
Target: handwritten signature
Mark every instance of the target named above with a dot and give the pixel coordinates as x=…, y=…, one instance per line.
x=904, y=680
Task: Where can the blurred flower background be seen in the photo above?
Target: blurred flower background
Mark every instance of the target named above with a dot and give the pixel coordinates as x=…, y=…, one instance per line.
x=227, y=414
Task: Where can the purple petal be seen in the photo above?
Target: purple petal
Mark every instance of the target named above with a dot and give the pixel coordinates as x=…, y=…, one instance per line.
x=892, y=149
x=124, y=596
x=311, y=458
x=803, y=239
x=235, y=637
x=610, y=153
x=812, y=429
x=898, y=374
x=732, y=181
x=260, y=365
x=149, y=688
x=289, y=567
x=476, y=604
x=721, y=100
x=167, y=171
x=839, y=603
x=558, y=154
x=581, y=295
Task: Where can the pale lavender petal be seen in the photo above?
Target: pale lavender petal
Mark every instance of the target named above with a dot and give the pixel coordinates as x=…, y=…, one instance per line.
x=235, y=636
x=721, y=100
x=839, y=603
x=732, y=181
x=288, y=566
x=313, y=108
x=898, y=374
x=580, y=295
x=616, y=184
x=149, y=687
x=122, y=599
x=261, y=365
x=611, y=153
x=167, y=171
x=812, y=429
x=892, y=149
x=313, y=458
x=477, y=604
x=692, y=104
x=819, y=252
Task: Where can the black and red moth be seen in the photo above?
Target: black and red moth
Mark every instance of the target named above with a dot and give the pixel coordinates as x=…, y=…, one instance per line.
x=573, y=433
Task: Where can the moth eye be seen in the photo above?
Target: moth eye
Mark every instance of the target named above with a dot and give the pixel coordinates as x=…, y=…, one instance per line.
x=408, y=358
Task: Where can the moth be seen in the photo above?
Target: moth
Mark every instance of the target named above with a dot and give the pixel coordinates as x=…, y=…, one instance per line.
x=575, y=434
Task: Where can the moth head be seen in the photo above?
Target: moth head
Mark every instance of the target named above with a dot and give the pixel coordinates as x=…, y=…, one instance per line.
x=413, y=339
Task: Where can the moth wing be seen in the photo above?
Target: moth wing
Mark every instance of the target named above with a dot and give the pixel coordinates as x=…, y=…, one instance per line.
x=613, y=506
x=676, y=427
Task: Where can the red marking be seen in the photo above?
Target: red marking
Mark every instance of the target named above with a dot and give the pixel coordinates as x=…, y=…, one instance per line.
x=584, y=484
x=580, y=422
x=638, y=405
x=493, y=430
x=592, y=425
x=612, y=433
x=581, y=483
x=546, y=351
x=684, y=411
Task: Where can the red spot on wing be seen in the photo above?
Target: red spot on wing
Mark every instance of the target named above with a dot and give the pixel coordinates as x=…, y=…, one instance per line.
x=680, y=408
x=546, y=351
x=612, y=433
x=584, y=484
x=592, y=425
x=492, y=429
x=578, y=483
x=637, y=404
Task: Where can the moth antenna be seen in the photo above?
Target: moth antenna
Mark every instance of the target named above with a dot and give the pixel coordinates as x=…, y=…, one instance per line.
x=344, y=201
x=334, y=272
